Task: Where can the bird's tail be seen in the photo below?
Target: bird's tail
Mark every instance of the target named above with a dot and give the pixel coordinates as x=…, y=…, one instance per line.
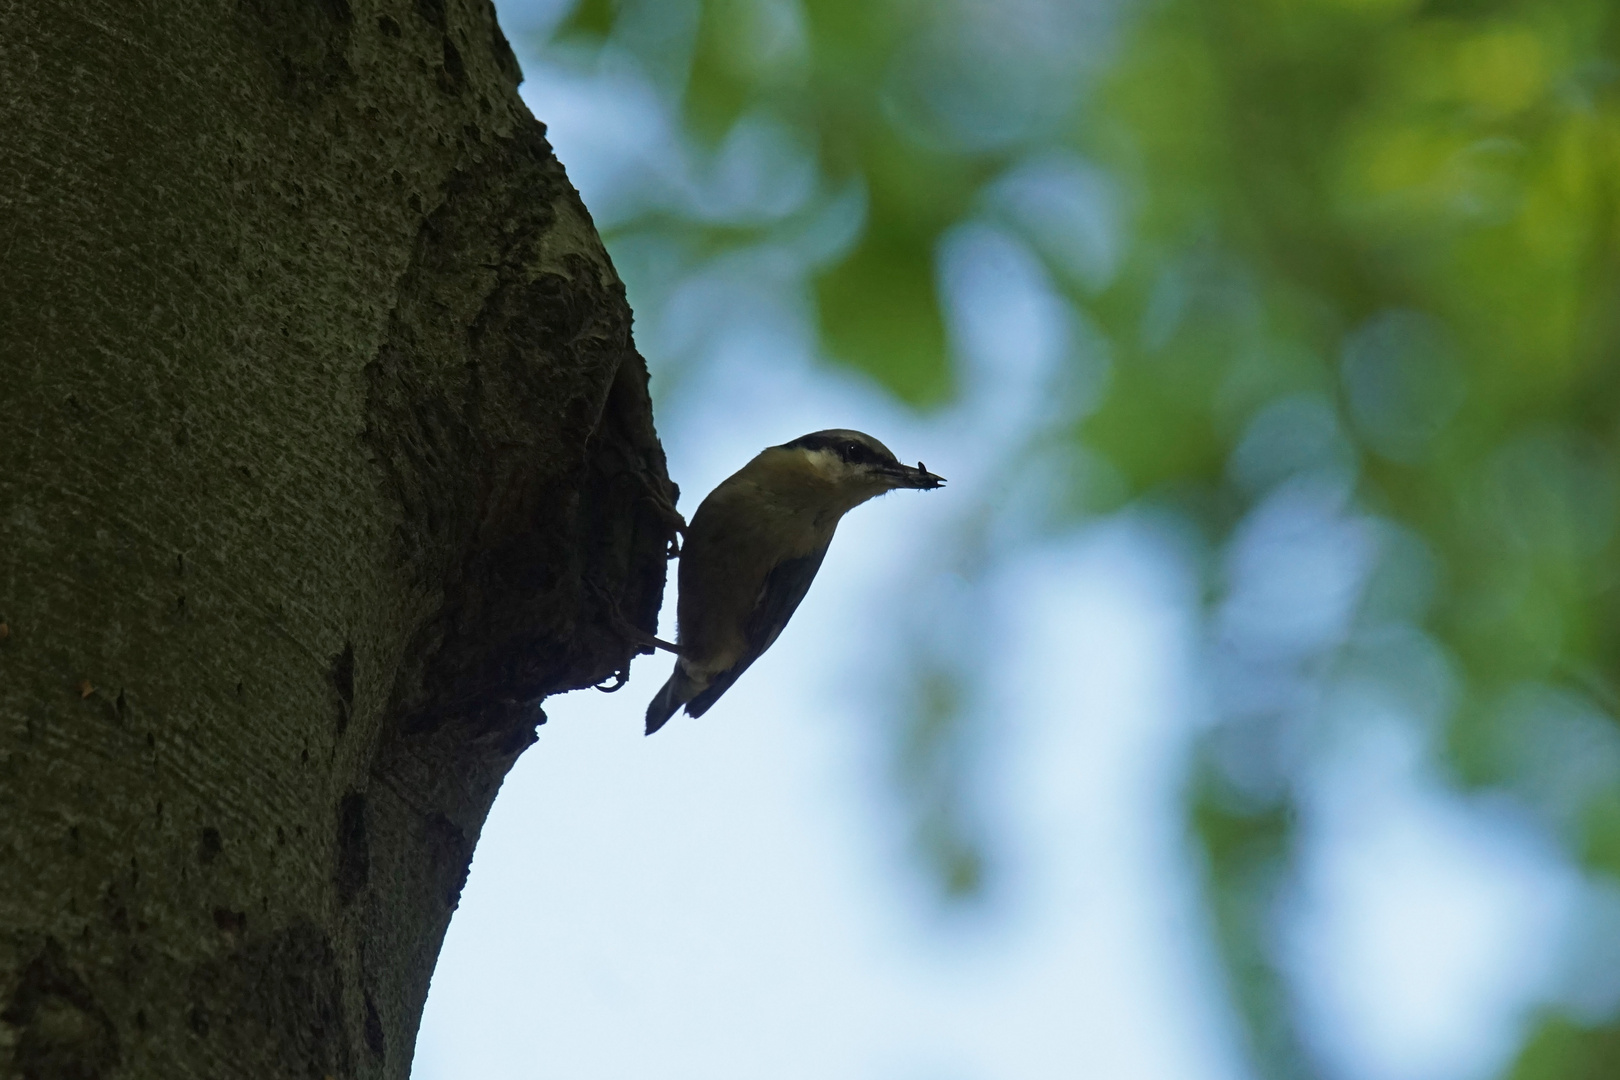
x=680, y=689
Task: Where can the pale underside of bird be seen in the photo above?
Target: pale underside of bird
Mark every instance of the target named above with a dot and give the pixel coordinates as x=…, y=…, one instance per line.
x=753, y=548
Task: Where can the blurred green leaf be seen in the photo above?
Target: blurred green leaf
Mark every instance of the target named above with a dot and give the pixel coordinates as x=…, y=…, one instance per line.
x=1248, y=849
x=880, y=314
x=1560, y=1050
x=591, y=20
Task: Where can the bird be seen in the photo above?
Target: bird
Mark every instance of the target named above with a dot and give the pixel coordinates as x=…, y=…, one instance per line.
x=752, y=549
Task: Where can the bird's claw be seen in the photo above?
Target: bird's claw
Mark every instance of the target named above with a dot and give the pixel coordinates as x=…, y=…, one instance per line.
x=621, y=677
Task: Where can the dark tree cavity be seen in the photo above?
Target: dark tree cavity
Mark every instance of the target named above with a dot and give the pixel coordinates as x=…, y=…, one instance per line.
x=325, y=456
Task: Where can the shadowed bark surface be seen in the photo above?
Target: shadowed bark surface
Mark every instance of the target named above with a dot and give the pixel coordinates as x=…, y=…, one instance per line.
x=325, y=455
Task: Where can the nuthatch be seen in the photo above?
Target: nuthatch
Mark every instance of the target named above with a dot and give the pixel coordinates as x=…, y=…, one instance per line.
x=753, y=548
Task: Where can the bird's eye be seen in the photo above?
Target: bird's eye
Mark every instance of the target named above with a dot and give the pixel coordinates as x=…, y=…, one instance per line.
x=854, y=452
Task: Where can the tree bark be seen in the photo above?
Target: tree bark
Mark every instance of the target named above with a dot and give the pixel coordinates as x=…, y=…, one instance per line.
x=325, y=455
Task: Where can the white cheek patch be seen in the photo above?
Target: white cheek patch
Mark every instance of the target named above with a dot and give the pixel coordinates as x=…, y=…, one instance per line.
x=827, y=465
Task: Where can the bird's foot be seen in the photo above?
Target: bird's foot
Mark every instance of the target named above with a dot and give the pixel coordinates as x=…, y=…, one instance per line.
x=627, y=630
x=672, y=516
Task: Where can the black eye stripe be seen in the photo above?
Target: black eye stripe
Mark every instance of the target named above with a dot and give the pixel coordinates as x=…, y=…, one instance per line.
x=816, y=441
x=851, y=451
x=857, y=454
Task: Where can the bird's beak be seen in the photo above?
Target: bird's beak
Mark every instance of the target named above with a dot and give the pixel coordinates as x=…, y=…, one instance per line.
x=920, y=477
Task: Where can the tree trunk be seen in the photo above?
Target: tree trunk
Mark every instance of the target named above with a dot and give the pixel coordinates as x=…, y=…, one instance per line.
x=325, y=455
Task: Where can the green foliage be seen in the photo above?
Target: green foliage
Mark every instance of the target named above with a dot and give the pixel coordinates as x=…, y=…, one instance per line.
x=1563, y=1051
x=901, y=339
x=1457, y=163
x=1350, y=159
x=1248, y=853
x=591, y=20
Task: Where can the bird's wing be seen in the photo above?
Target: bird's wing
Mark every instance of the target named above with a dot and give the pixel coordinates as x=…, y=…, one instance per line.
x=779, y=597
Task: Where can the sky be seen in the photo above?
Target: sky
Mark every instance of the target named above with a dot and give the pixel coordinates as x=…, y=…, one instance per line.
x=733, y=898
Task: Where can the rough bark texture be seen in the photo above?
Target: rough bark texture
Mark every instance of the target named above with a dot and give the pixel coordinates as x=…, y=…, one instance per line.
x=325, y=455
